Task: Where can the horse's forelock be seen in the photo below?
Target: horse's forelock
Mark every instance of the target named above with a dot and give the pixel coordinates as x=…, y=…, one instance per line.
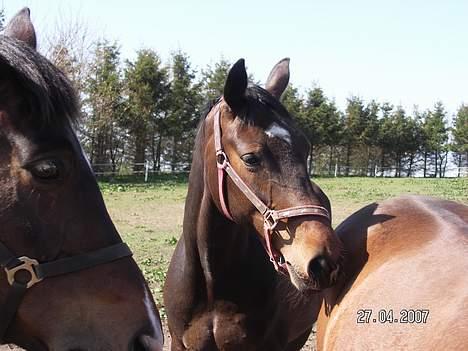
x=49, y=93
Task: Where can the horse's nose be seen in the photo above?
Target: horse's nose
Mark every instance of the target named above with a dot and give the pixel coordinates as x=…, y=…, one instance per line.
x=146, y=343
x=320, y=269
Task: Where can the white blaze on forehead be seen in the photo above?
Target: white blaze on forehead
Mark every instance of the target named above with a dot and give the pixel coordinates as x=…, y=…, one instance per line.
x=276, y=131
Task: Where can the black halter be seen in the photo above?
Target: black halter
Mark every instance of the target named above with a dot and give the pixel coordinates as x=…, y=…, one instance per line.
x=34, y=272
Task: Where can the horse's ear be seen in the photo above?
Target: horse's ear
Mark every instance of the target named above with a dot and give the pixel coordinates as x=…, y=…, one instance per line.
x=20, y=27
x=278, y=79
x=235, y=86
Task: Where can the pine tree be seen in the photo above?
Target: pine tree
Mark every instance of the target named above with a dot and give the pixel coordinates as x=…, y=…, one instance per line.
x=147, y=90
x=384, y=141
x=313, y=121
x=2, y=18
x=460, y=137
x=354, y=126
x=213, y=79
x=436, y=136
x=293, y=102
x=318, y=118
x=185, y=100
x=369, y=136
x=399, y=140
x=413, y=143
x=333, y=133
x=104, y=106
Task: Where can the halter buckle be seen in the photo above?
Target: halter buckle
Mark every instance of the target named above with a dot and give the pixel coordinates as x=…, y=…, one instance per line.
x=28, y=266
x=269, y=220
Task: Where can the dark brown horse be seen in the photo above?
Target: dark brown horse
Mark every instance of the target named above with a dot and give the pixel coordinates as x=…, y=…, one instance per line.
x=67, y=281
x=405, y=282
x=250, y=208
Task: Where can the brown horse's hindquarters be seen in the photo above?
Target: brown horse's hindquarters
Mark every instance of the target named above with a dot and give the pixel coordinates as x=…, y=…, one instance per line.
x=412, y=292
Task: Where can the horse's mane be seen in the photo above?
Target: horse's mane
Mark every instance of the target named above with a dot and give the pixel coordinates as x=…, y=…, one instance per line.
x=260, y=98
x=49, y=93
x=256, y=96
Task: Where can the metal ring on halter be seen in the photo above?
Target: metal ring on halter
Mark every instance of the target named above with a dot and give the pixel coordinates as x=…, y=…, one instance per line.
x=221, y=159
x=28, y=265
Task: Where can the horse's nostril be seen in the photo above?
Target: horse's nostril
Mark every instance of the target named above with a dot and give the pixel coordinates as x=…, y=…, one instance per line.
x=146, y=343
x=320, y=269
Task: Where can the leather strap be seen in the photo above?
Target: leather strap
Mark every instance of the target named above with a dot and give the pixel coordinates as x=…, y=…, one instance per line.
x=221, y=194
x=224, y=165
x=306, y=210
x=270, y=217
x=77, y=263
x=220, y=156
x=6, y=258
x=39, y=271
x=9, y=307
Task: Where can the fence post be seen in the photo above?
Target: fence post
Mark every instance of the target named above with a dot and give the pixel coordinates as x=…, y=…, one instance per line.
x=375, y=171
x=336, y=170
x=146, y=171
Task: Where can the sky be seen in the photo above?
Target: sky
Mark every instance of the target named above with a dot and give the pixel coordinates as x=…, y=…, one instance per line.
x=405, y=52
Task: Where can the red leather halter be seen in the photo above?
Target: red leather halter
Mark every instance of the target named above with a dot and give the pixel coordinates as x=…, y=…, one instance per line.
x=270, y=217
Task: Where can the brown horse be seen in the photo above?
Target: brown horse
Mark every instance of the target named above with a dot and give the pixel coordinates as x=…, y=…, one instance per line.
x=67, y=280
x=257, y=244
x=405, y=282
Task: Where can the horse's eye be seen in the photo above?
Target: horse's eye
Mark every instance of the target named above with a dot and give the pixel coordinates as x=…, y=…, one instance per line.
x=46, y=169
x=251, y=160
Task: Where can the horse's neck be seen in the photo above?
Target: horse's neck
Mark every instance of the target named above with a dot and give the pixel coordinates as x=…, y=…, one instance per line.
x=214, y=238
x=222, y=249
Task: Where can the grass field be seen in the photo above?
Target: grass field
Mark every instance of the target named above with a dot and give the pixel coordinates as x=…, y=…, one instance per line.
x=149, y=215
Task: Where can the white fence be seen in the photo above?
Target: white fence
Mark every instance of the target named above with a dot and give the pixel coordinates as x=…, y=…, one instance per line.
x=340, y=171
x=145, y=170
x=113, y=170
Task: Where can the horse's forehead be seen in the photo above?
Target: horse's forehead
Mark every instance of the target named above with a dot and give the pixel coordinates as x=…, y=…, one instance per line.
x=276, y=130
x=30, y=138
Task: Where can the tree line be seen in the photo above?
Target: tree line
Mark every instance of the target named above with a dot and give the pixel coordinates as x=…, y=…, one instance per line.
x=147, y=111
x=379, y=138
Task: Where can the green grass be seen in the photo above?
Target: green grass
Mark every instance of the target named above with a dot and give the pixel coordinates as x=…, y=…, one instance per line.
x=149, y=215
x=349, y=194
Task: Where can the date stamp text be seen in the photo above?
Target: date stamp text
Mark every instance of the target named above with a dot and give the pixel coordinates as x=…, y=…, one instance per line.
x=382, y=316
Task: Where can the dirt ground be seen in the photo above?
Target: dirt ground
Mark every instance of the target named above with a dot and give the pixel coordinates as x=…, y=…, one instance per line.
x=309, y=346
